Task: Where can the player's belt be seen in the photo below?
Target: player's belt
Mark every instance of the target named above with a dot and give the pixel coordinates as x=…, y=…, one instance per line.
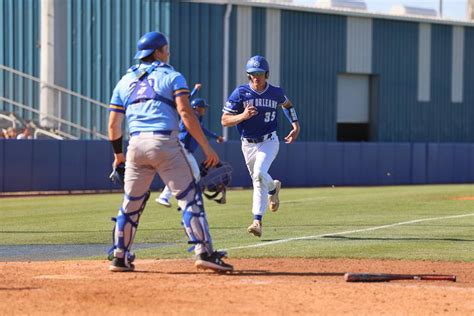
x=151, y=133
x=258, y=139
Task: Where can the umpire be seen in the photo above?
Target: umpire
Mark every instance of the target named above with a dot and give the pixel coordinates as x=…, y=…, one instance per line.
x=153, y=96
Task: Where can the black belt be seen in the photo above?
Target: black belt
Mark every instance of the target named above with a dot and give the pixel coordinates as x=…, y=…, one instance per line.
x=154, y=133
x=258, y=139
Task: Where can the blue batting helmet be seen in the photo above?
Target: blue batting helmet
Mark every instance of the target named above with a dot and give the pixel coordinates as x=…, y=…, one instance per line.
x=148, y=43
x=257, y=64
x=199, y=103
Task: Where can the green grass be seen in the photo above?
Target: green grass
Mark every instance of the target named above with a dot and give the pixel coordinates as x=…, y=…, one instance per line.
x=83, y=219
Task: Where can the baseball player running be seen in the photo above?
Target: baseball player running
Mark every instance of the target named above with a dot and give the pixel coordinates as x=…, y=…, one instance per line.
x=253, y=109
x=190, y=145
x=152, y=96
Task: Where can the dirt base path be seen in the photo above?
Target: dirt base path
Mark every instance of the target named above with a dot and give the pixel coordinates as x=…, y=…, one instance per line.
x=258, y=287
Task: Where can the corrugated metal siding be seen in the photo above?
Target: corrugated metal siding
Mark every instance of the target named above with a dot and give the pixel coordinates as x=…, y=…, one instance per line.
x=102, y=36
x=441, y=111
x=468, y=106
x=395, y=55
x=457, y=64
x=258, y=31
x=273, y=43
x=314, y=51
x=197, y=52
x=424, y=62
x=232, y=131
x=359, y=45
x=244, y=41
x=19, y=38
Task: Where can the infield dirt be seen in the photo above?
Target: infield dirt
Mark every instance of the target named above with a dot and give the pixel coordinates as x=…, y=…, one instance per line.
x=257, y=287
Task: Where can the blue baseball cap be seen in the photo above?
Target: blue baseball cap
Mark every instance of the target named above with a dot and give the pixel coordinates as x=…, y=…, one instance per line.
x=148, y=43
x=199, y=103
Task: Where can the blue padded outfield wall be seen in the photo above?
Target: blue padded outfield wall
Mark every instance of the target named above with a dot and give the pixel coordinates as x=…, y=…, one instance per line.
x=51, y=165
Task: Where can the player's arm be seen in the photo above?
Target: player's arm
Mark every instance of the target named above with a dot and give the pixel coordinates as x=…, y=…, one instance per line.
x=234, y=112
x=290, y=114
x=208, y=133
x=196, y=88
x=115, y=136
x=229, y=119
x=194, y=128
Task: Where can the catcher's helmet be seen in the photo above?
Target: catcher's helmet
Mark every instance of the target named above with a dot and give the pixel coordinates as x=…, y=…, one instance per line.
x=148, y=43
x=199, y=103
x=258, y=64
x=215, y=180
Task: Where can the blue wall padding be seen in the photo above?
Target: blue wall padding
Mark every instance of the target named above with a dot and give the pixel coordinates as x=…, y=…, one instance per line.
x=99, y=165
x=315, y=168
x=418, y=163
x=386, y=164
x=402, y=165
x=45, y=172
x=333, y=172
x=2, y=153
x=72, y=165
x=50, y=165
x=352, y=163
x=368, y=164
x=296, y=155
x=17, y=165
x=461, y=165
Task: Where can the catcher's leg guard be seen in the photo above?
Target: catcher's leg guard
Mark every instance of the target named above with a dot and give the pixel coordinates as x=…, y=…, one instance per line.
x=125, y=229
x=194, y=219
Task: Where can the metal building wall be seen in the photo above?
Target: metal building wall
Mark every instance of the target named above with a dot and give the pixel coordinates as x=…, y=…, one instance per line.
x=196, y=45
x=19, y=38
x=395, y=58
x=102, y=37
x=468, y=116
x=313, y=53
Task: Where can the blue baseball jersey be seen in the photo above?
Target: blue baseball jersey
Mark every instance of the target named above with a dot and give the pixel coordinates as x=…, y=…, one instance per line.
x=188, y=140
x=143, y=111
x=266, y=102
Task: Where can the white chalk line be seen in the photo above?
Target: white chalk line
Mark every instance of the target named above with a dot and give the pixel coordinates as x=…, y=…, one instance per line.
x=281, y=241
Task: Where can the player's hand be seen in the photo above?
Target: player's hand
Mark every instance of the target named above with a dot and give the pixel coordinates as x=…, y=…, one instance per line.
x=292, y=136
x=220, y=139
x=249, y=112
x=197, y=86
x=118, y=159
x=212, y=159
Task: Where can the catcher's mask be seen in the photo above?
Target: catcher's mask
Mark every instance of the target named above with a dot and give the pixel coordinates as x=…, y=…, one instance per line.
x=215, y=180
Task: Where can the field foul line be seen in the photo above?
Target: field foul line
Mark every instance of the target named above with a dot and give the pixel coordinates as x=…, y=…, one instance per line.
x=281, y=241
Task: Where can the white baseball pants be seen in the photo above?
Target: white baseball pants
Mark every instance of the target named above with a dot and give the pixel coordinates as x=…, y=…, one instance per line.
x=259, y=158
x=166, y=193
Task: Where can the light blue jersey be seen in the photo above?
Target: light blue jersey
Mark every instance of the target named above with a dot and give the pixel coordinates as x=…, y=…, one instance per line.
x=150, y=106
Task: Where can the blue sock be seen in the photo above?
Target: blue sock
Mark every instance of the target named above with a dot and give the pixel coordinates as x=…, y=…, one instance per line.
x=258, y=217
x=272, y=191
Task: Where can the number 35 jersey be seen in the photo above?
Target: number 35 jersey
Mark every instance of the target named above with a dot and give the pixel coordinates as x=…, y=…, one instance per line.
x=266, y=103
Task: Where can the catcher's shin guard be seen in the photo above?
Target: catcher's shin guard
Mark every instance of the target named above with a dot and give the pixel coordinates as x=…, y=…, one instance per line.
x=125, y=228
x=194, y=218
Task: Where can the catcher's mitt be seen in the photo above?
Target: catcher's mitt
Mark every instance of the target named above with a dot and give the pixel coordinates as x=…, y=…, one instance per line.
x=215, y=180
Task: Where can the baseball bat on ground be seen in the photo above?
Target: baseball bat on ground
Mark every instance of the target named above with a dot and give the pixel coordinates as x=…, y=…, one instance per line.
x=384, y=277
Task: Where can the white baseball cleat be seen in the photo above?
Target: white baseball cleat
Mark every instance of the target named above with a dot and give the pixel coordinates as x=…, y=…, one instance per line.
x=163, y=202
x=255, y=229
x=274, y=200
